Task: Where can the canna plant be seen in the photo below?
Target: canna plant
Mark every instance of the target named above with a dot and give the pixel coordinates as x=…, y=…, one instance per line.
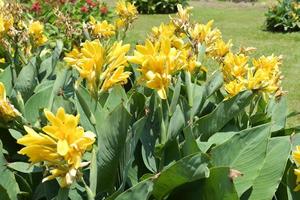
x=99, y=122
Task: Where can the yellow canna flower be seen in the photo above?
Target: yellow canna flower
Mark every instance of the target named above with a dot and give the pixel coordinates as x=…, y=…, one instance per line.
x=234, y=66
x=167, y=31
x=6, y=23
x=220, y=49
x=157, y=62
x=1, y=3
x=257, y=80
x=234, y=87
x=269, y=63
x=101, y=66
x=2, y=60
x=296, y=158
x=200, y=31
x=183, y=14
x=36, y=30
x=73, y=56
x=126, y=10
x=60, y=148
x=297, y=173
x=102, y=29
x=296, y=155
x=7, y=110
x=120, y=23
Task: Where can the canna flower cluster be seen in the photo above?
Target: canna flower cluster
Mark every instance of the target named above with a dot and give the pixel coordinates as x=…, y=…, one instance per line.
x=36, y=31
x=296, y=158
x=157, y=62
x=200, y=35
x=126, y=13
x=59, y=148
x=7, y=110
x=263, y=75
x=102, y=67
x=102, y=29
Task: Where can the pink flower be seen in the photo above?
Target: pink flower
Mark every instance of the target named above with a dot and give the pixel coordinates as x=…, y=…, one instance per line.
x=91, y=3
x=36, y=7
x=104, y=10
x=84, y=9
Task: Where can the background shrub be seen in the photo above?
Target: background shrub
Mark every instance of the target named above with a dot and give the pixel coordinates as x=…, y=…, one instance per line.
x=284, y=16
x=158, y=6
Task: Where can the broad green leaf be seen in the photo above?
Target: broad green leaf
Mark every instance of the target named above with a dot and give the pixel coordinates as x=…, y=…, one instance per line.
x=116, y=96
x=24, y=167
x=185, y=170
x=190, y=145
x=36, y=104
x=47, y=190
x=150, y=136
x=176, y=124
x=27, y=79
x=265, y=185
x=63, y=194
x=6, y=79
x=58, y=85
x=245, y=152
x=87, y=107
x=216, y=139
x=128, y=158
x=278, y=112
x=9, y=188
x=175, y=97
x=218, y=186
x=56, y=53
x=93, y=170
x=201, y=93
x=141, y=191
x=209, y=124
x=112, y=132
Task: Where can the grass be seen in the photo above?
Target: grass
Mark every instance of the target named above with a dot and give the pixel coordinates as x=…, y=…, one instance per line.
x=243, y=23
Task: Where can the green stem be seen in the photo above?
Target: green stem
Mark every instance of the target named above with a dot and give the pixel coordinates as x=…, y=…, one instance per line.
x=189, y=86
x=90, y=194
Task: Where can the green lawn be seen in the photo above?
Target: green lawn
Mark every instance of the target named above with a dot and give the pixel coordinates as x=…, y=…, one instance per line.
x=243, y=24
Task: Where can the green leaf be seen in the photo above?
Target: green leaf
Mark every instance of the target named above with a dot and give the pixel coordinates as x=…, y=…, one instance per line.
x=9, y=188
x=209, y=124
x=56, y=53
x=265, y=185
x=93, y=170
x=245, y=152
x=58, y=85
x=116, y=96
x=6, y=79
x=141, y=191
x=27, y=79
x=36, y=104
x=218, y=186
x=185, y=170
x=278, y=111
x=24, y=167
x=176, y=124
x=112, y=133
x=201, y=93
x=216, y=139
x=87, y=107
x=190, y=145
x=47, y=190
x=175, y=96
x=63, y=194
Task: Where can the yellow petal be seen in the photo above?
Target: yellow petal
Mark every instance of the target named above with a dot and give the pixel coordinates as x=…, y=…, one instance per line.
x=62, y=147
